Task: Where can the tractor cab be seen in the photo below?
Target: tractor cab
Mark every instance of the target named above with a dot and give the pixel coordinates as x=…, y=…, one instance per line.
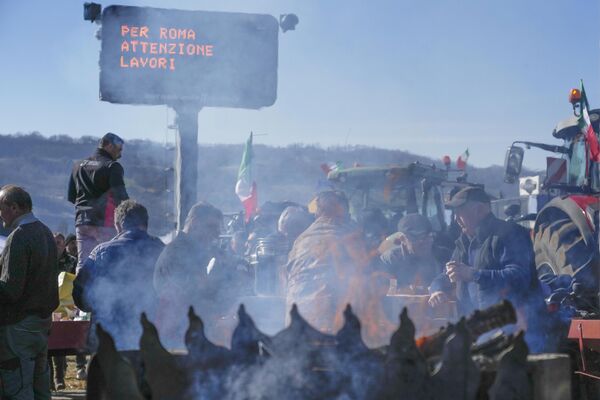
x=570, y=169
x=400, y=190
x=395, y=190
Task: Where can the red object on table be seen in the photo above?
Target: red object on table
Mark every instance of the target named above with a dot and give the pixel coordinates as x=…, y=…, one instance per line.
x=68, y=336
x=587, y=333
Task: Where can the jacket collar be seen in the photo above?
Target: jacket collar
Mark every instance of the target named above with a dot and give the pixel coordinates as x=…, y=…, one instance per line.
x=483, y=231
x=23, y=219
x=102, y=153
x=486, y=227
x=131, y=234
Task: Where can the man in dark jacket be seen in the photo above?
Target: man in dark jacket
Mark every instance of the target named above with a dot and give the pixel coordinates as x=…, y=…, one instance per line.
x=28, y=295
x=182, y=277
x=96, y=188
x=493, y=260
x=115, y=282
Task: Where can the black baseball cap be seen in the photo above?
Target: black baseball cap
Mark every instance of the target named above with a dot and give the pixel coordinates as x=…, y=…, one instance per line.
x=470, y=193
x=414, y=225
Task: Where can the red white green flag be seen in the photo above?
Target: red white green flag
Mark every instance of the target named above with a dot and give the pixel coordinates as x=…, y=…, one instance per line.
x=245, y=187
x=587, y=129
x=331, y=166
x=461, y=161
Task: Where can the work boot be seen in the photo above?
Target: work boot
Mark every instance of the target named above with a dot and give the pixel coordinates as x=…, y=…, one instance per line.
x=81, y=374
x=60, y=385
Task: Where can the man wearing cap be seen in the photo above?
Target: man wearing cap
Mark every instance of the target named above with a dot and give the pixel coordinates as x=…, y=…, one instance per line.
x=412, y=261
x=493, y=260
x=97, y=187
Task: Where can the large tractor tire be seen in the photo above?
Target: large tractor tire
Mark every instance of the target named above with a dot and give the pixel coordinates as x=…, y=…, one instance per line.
x=560, y=249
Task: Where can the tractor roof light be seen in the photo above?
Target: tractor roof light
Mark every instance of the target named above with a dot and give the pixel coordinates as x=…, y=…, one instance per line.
x=574, y=96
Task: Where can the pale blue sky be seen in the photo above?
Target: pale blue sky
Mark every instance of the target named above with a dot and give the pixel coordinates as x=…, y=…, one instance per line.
x=431, y=77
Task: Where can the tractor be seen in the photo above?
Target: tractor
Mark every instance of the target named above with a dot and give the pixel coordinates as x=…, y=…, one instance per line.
x=397, y=190
x=566, y=224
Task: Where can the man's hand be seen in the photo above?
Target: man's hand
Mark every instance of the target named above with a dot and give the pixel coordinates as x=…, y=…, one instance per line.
x=437, y=298
x=459, y=272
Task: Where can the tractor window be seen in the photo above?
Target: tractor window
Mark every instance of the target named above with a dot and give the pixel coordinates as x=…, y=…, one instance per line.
x=430, y=206
x=577, y=162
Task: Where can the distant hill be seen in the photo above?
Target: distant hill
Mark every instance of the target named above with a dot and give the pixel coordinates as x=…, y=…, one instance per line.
x=42, y=165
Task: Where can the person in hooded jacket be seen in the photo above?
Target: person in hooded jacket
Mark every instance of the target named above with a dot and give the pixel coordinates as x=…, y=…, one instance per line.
x=327, y=263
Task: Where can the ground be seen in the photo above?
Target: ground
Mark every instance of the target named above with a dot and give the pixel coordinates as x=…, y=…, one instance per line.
x=75, y=389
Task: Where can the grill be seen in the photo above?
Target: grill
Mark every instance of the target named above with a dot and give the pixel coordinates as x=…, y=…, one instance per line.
x=301, y=362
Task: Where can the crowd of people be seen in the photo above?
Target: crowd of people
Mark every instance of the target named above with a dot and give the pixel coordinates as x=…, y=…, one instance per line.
x=331, y=260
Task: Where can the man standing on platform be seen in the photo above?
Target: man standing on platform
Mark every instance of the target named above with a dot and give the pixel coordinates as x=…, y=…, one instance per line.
x=96, y=188
x=28, y=295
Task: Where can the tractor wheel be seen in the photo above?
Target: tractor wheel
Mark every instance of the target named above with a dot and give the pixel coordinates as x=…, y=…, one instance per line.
x=560, y=248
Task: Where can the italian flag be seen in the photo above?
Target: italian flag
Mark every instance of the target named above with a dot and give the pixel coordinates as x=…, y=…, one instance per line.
x=245, y=187
x=587, y=129
x=461, y=161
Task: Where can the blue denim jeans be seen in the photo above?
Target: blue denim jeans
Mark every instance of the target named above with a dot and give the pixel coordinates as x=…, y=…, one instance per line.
x=23, y=360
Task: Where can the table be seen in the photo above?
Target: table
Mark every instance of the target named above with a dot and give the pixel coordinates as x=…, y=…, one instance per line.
x=68, y=337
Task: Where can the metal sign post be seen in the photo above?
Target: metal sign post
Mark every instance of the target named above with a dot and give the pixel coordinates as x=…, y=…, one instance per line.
x=186, y=161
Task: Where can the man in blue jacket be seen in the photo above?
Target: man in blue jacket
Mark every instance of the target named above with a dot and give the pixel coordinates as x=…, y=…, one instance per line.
x=493, y=260
x=115, y=282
